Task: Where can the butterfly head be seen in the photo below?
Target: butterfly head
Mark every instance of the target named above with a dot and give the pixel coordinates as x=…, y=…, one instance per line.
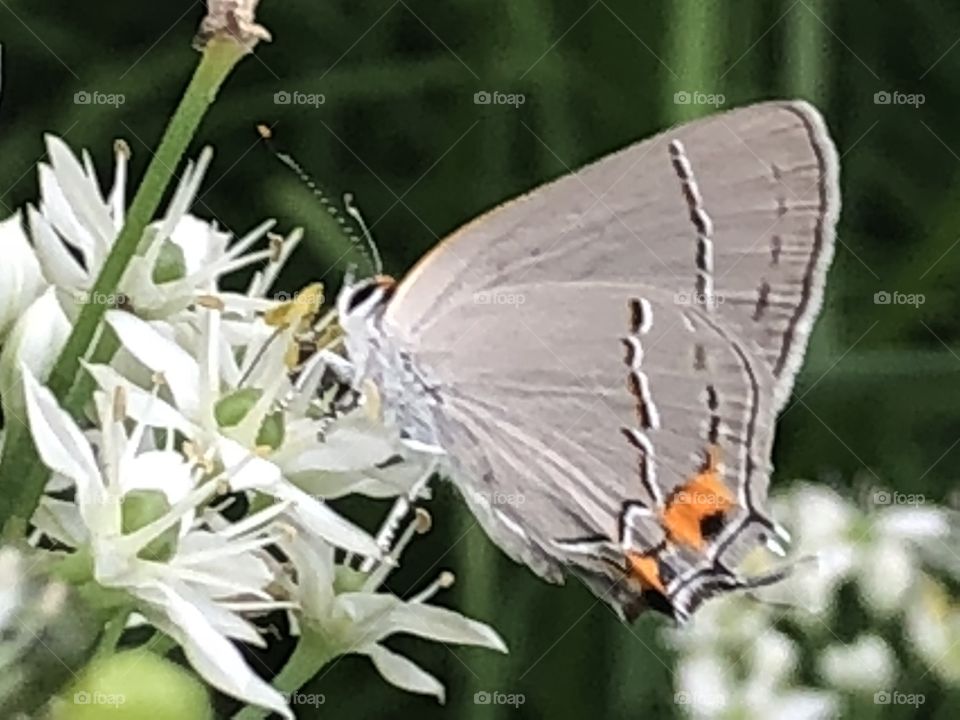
x=360, y=307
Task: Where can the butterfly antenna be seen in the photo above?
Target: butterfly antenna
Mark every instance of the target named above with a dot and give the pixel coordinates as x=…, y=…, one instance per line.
x=354, y=212
x=366, y=243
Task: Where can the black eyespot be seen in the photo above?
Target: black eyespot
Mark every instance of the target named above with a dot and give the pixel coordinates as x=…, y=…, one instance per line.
x=711, y=525
x=362, y=294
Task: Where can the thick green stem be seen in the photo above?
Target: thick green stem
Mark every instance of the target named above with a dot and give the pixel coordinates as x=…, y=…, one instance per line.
x=22, y=475
x=311, y=655
x=693, y=53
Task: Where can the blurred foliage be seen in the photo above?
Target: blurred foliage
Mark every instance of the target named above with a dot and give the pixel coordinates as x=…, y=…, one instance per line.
x=878, y=401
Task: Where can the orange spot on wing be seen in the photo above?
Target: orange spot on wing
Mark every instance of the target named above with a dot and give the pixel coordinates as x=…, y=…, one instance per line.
x=704, y=495
x=646, y=569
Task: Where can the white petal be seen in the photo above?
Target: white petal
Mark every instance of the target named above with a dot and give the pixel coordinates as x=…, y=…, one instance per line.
x=20, y=278
x=61, y=444
x=57, y=210
x=866, y=665
x=35, y=341
x=774, y=657
x=59, y=264
x=141, y=405
x=913, y=523
x=703, y=684
x=323, y=521
x=801, y=705
x=161, y=470
x=85, y=198
x=886, y=573
x=60, y=520
x=216, y=659
x=185, y=193
x=403, y=672
x=428, y=621
x=161, y=355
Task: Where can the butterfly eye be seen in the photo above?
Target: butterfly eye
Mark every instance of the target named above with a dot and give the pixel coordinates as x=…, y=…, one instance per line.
x=362, y=294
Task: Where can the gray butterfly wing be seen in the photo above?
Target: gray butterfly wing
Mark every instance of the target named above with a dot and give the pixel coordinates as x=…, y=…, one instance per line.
x=767, y=179
x=536, y=399
x=561, y=411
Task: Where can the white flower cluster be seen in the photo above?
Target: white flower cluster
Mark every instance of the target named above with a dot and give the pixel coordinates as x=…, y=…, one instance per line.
x=198, y=411
x=743, y=659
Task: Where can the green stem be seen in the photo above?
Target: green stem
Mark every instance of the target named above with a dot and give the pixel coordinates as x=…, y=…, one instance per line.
x=693, y=52
x=807, y=40
x=112, y=633
x=22, y=475
x=307, y=660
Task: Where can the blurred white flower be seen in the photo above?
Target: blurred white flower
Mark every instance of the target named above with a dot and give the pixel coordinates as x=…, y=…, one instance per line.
x=864, y=666
x=881, y=551
x=883, y=554
x=134, y=516
x=933, y=629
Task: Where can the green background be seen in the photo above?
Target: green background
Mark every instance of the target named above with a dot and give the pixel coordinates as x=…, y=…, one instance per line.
x=399, y=128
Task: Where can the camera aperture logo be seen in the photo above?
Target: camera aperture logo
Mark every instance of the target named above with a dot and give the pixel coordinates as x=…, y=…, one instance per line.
x=883, y=97
x=695, y=97
x=883, y=297
x=498, y=698
x=95, y=97
x=295, y=97
x=483, y=97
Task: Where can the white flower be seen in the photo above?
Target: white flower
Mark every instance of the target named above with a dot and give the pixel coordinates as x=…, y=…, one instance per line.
x=179, y=572
x=20, y=278
x=357, y=619
x=224, y=408
x=882, y=551
x=865, y=665
x=933, y=629
x=180, y=258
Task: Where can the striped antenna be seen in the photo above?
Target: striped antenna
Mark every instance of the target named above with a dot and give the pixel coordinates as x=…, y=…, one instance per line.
x=366, y=242
x=371, y=245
